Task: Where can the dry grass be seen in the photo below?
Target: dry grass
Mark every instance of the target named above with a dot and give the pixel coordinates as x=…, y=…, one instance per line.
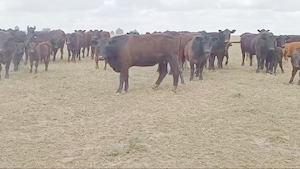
x=71, y=117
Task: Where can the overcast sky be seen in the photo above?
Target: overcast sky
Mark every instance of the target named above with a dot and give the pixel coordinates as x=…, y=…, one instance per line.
x=280, y=16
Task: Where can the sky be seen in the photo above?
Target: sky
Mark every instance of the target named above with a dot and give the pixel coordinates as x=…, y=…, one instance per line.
x=280, y=17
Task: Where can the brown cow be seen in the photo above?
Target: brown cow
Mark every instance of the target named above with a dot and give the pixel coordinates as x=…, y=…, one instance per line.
x=290, y=48
x=296, y=64
x=38, y=52
x=196, y=52
x=126, y=51
x=81, y=41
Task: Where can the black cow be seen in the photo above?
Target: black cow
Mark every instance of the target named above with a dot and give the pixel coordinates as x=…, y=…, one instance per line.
x=293, y=38
x=74, y=44
x=262, y=44
x=7, y=50
x=20, y=49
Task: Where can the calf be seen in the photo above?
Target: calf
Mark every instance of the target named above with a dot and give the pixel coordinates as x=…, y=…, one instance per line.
x=126, y=51
x=38, y=52
x=20, y=49
x=295, y=59
x=196, y=52
x=273, y=59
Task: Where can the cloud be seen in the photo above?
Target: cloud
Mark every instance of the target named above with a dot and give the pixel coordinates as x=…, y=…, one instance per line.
x=155, y=15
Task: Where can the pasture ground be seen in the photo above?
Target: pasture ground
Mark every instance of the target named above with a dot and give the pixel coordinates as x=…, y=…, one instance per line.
x=70, y=116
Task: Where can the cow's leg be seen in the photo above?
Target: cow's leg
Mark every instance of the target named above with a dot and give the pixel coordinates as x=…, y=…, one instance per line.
x=88, y=51
x=293, y=75
x=227, y=58
x=275, y=65
x=54, y=54
x=258, y=65
x=299, y=79
x=36, y=65
x=31, y=65
x=251, y=58
x=220, y=61
x=201, y=70
x=126, y=76
x=212, y=62
x=280, y=64
x=176, y=72
x=79, y=55
x=123, y=76
x=197, y=70
x=163, y=70
x=192, y=70
x=97, y=61
x=105, y=64
x=0, y=70
x=181, y=72
x=7, y=65
x=62, y=52
x=243, y=58
x=83, y=51
x=47, y=63
x=26, y=55
x=92, y=51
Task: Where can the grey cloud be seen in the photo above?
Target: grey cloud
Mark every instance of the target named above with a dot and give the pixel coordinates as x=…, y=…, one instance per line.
x=154, y=15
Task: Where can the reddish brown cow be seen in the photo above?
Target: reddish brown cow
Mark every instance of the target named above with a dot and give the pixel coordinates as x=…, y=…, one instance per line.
x=126, y=51
x=296, y=64
x=196, y=52
x=38, y=52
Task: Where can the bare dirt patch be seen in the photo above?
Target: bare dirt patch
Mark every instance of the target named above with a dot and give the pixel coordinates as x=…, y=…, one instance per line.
x=71, y=117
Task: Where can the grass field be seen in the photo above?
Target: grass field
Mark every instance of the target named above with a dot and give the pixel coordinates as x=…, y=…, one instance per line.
x=70, y=116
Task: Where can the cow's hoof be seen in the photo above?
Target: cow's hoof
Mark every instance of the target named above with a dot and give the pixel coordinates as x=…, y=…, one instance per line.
x=174, y=89
x=155, y=87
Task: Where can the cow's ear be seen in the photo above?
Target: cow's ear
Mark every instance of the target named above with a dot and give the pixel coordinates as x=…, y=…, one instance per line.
x=220, y=31
x=268, y=30
x=75, y=30
x=83, y=31
x=233, y=31
x=258, y=30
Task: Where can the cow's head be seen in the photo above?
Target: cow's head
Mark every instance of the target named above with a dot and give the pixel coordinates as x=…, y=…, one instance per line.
x=205, y=42
x=30, y=29
x=281, y=40
x=269, y=40
x=227, y=33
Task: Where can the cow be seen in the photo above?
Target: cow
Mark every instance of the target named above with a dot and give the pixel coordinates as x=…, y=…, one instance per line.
x=148, y=33
x=19, y=36
x=290, y=48
x=293, y=38
x=273, y=59
x=87, y=42
x=100, y=47
x=227, y=33
x=295, y=59
x=7, y=51
x=196, y=52
x=81, y=40
x=56, y=37
x=38, y=52
x=218, y=49
x=97, y=35
x=133, y=33
x=262, y=44
x=126, y=51
x=20, y=49
x=74, y=45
